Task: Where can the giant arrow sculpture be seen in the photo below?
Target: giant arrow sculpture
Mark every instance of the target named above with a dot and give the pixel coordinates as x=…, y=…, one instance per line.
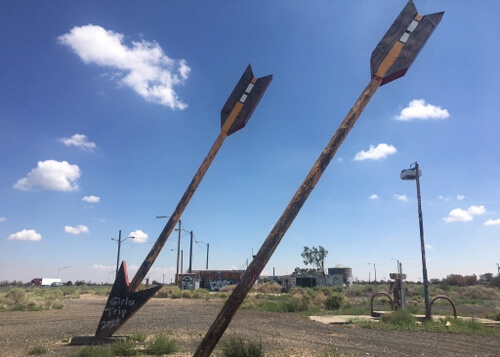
x=124, y=300
x=390, y=60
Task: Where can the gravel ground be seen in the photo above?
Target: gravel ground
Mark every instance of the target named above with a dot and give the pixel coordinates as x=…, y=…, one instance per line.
x=281, y=334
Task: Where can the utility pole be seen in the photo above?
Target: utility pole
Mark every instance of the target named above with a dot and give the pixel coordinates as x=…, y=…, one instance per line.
x=208, y=248
x=178, y=254
x=191, y=254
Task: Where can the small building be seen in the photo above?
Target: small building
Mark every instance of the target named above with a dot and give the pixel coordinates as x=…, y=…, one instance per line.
x=212, y=280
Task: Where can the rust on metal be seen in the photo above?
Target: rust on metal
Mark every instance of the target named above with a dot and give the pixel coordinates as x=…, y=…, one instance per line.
x=428, y=316
x=372, y=312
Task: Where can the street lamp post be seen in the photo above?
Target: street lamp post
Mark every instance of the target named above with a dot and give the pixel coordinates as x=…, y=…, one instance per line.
x=119, y=241
x=413, y=173
x=69, y=266
x=375, y=269
x=208, y=248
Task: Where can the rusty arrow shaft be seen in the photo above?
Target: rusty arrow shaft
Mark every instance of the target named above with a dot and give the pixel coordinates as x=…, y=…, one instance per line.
x=253, y=271
x=181, y=206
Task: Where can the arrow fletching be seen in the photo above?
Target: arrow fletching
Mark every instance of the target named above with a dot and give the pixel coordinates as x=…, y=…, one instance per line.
x=402, y=43
x=243, y=101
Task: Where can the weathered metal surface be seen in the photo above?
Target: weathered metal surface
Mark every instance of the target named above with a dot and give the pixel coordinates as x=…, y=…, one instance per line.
x=253, y=271
x=404, y=52
x=372, y=312
x=428, y=315
x=121, y=304
x=245, y=97
x=181, y=206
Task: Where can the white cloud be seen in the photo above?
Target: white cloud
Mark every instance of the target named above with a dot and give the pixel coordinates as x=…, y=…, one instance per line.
x=91, y=199
x=3, y=219
x=460, y=197
x=26, y=234
x=51, y=175
x=401, y=198
x=428, y=246
x=339, y=160
x=80, y=141
x=492, y=222
x=147, y=70
x=417, y=109
x=101, y=267
x=373, y=197
x=459, y=215
x=76, y=230
x=139, y=236
x=376, y=153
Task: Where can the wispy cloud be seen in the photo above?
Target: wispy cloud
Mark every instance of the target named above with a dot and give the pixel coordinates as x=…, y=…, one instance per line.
x=51, y=175
x=401, y=198
x=2, y=219
x=100, y=267
x=492, y=222
x=146, y=68
x=76, y=230
x=373, y=197
x=91, y=199
x=26, y=234
x=428, y=246
x=80, y=141
x=419, y=110
x=460, y=197
x=139, y=236
x=381, y=151
x=460, y=215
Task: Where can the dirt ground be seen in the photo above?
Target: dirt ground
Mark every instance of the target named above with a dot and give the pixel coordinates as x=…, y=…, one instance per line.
x=282, y=334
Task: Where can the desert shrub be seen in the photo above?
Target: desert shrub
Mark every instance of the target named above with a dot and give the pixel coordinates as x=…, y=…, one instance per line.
x=402, y=318
x=93, y=351
x=494, y=315
x=161, y=344
x=138, y=337
x=296, y=303
x=176, y=294
x=227, y=289
x=268, y=288
x=16, y=295
x=186, y=294
x=238, y=347
x=460, y=280
x=37, y=350
x=334, y=301
x=124, y=348
x=201, y=294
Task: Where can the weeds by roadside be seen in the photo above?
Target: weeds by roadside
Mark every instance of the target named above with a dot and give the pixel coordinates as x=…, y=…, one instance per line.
x=37, y=350
x=404, y=320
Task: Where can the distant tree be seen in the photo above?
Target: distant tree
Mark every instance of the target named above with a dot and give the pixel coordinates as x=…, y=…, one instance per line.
x=486, y=277
x=316, y=257
x=299, y=272
x=495, y=281
x=460, y=280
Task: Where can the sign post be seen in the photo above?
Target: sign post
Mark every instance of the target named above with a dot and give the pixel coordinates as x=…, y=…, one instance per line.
x=390, y=60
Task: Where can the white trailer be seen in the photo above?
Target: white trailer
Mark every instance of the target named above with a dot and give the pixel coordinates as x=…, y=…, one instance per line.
x=49, y=281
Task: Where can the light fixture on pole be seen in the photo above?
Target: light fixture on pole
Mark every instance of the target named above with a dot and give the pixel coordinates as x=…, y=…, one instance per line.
x=208, y=248
x=119, y=241
x=375, y=269
x=69, y=266
x=413, y=173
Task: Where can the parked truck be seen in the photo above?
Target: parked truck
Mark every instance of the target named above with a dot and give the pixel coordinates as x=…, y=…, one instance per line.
x=46, y=282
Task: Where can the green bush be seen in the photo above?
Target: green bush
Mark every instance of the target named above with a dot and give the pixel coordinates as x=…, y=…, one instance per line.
x=237, y=347
x=186, y=294
x=37, y=350
x=124, y=348
x=161, y=344
x=334, y=301
x=93, y=351
x=17, y=295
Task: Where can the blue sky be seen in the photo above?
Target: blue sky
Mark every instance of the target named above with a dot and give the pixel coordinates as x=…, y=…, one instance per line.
x=108, y=110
